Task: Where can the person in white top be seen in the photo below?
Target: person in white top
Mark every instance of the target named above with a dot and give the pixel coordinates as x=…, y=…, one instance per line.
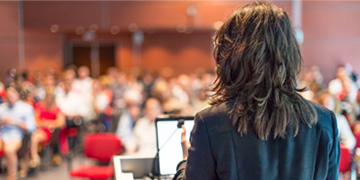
x=82, y=86
x=343, y=82
x=345, y=134
x=143, y=140
x=69, y=103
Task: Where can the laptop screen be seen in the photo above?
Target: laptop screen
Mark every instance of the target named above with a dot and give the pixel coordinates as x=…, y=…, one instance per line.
x=138, y=165
x=169, y=142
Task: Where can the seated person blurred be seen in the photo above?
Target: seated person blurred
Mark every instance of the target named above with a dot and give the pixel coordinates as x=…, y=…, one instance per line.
x=48, y=118
x=201, y=101
x=346, y=136
x=69, y=104
x=335, y=85
x=48, y=81
x=343, y=85
x=83, y=83
x=129, y=115
x=161, y=90
x=16, y=119
x=82, y=86
x=317, y=83
x=143, y=139
x=175, y=107
x=102, y=97
x=119, y=86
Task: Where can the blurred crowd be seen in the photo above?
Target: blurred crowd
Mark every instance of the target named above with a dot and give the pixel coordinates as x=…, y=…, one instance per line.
x=341, y=95
x=57, y=110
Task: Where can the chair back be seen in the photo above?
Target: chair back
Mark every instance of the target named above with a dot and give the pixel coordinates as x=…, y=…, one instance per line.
x=345, y=160
x=102, y=146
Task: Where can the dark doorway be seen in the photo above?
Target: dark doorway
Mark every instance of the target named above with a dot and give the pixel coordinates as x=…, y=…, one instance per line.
x=97, y=57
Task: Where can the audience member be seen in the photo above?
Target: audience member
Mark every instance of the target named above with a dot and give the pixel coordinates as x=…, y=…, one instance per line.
x=317, y=82
x=10, y=76
x=70, y=104
x=143, y=140
x=48, y=81
x=48, y=118
x=16, y=118
x=148, y=82
x=347, y=97
x=119, y=87
x=346, y=136
x=201, y=101
x=102, y=97
x=335, y=85
x=129, y=115
x=82, y=86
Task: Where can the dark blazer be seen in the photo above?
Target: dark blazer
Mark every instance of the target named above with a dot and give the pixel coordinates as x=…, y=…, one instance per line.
x=219, y=152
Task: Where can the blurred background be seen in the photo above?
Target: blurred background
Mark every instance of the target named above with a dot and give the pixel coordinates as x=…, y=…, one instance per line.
x=110, y=67
x=153, y=35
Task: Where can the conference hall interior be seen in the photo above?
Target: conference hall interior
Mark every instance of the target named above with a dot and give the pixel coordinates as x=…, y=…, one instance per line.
x=98, y=80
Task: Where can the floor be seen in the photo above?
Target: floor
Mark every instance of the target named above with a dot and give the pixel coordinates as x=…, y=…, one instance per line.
x=55, y=172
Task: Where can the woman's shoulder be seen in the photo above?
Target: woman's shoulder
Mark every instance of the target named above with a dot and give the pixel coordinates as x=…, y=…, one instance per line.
x=326, y=119
x=220, y=109
x=216, y=117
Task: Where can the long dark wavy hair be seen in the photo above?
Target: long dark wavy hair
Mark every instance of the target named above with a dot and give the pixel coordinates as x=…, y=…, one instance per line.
x=258, y=60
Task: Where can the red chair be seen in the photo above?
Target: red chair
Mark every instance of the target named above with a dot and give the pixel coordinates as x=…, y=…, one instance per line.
x=99, y=146
x=345, y=160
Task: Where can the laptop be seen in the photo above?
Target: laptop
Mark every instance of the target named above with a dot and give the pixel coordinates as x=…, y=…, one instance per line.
x=133, y=166
x=168, y=135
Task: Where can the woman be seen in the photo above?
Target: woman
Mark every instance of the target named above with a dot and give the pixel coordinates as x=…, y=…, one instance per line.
x=259, y=127
x=48, y=117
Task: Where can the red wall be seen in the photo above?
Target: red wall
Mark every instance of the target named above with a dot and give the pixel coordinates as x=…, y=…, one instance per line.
x=331, y=35
x=182, y=52
x=8, y=36
x=43, y=50
x=331, y=31
x=159, y=14
x=185, y=53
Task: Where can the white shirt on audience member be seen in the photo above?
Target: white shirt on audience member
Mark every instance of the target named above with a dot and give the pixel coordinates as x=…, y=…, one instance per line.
x=346, y=136
x=101, y=101
x=144, y=137
x=83, y=88
x=335, y=86
x=125, y=127
x=70, y=104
